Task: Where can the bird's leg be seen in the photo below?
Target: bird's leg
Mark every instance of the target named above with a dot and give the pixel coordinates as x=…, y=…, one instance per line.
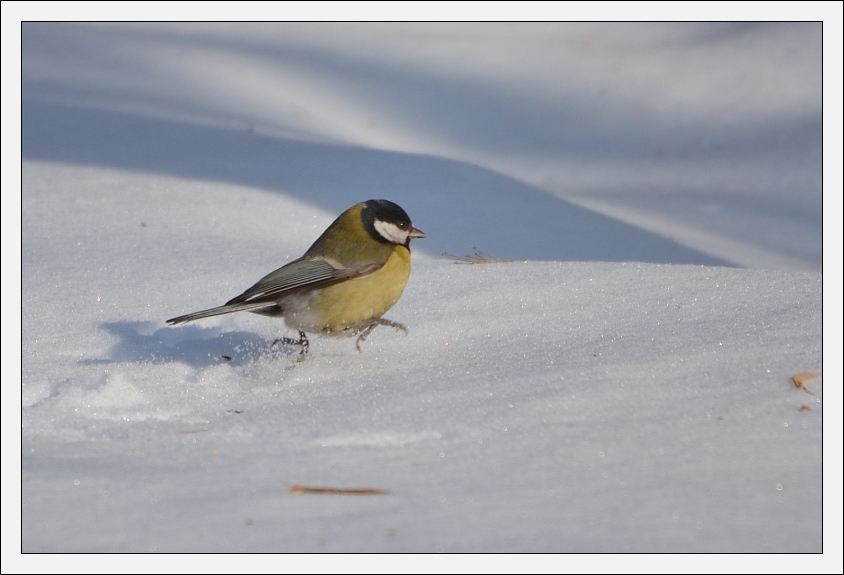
x=301, y=342
x=365, y=333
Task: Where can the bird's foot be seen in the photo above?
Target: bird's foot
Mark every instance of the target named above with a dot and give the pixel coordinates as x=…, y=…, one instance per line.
x=365, y=333
x=301, y=342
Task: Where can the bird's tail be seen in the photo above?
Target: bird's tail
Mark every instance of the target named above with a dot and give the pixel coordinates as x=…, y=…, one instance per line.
x=220, y=310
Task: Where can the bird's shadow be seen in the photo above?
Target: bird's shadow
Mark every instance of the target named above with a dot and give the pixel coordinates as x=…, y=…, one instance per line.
x=195, y=346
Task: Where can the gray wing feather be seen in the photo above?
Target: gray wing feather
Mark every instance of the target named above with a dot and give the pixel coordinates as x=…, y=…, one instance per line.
x=310, y=273
x=215, y=311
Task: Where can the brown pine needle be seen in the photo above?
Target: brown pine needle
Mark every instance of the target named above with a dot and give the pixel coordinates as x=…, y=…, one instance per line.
x=337, y=491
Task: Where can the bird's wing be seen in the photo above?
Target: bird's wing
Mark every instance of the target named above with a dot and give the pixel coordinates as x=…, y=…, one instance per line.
x=304, y=273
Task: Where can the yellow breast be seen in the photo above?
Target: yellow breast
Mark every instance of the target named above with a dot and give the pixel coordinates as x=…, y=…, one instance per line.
x=355, y=303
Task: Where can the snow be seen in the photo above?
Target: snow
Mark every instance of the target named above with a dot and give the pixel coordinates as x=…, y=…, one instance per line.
x=622, y=383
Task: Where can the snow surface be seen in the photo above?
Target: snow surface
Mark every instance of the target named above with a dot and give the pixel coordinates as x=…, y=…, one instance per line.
x=623, y=383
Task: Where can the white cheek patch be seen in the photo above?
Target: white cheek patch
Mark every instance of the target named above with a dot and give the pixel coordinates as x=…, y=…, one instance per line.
x=391, y=232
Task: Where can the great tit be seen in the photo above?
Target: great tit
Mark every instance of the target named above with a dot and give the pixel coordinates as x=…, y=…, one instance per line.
x=345, y=282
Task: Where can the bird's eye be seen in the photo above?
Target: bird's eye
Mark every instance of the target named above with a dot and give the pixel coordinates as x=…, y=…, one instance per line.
x=393, y=232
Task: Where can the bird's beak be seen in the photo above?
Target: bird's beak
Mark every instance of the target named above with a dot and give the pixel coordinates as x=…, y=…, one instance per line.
x=414, y=233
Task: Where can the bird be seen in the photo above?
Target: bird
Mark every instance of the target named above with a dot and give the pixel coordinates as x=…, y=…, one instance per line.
x=343, y=284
